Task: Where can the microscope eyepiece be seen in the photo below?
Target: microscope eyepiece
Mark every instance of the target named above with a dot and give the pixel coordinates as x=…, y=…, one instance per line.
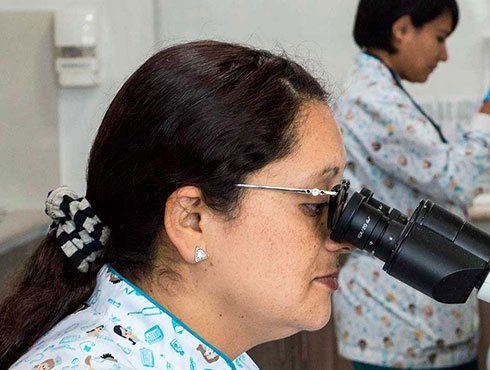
x=435, y=251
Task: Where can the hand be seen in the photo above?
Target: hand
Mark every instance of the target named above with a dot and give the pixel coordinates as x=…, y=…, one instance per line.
x=485, y=108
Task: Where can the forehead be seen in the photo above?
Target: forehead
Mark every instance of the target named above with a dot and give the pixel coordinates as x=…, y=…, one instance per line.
x=443, y=23
x=318, y=148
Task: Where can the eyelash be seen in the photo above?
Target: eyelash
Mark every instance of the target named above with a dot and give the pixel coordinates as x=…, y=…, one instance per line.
x=316, y=208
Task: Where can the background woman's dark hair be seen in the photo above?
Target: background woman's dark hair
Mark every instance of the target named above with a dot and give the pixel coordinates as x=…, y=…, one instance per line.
x=374, y=19
x=205, y=114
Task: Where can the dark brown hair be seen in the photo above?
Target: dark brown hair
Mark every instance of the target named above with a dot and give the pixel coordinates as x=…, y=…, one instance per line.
x=375, y=18
x=205, y=114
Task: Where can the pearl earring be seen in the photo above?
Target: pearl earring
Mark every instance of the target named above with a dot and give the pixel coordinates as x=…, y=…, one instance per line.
x=200, y=255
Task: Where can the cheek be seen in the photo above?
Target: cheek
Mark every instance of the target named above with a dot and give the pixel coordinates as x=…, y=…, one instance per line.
x=287, y=247
x=417, y=52
x=429, y=51
x=418, y=68
x=277, y=249
x=273, y=263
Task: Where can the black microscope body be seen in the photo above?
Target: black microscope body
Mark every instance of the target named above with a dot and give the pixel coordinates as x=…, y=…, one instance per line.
x=433, y=251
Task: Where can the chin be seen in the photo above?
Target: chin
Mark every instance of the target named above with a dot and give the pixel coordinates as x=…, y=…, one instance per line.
x=418, y=79
x=417, y=76
x=318, y=320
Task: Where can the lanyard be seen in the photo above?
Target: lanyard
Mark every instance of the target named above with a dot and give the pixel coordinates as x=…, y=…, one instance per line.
x=398, y=82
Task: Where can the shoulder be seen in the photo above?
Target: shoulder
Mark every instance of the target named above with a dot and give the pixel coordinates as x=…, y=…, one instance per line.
x=80, y=340
x=368, y=83
x=368, y=92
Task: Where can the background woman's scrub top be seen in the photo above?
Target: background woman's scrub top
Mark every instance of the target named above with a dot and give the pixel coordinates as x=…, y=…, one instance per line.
x=395, y=150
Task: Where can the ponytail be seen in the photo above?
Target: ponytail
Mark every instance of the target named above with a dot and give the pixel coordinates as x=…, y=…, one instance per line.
x=50, y=288
x=59, y=277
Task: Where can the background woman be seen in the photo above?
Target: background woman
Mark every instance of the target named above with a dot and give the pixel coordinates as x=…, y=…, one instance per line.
x=395, y=149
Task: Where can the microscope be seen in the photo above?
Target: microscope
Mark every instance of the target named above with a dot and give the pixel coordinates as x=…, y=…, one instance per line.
x=433, y=251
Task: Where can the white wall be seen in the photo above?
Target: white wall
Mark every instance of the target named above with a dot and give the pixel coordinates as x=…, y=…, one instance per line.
x=126, y=40
x=320, y=31
x=315, y=32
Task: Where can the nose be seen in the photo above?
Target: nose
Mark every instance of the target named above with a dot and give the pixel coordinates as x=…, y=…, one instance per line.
x=341, y=248
x=444, y=54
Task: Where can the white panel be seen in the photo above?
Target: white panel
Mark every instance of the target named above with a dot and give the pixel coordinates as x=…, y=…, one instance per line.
x=320, y=33
x=29, y=164
x=314, y=32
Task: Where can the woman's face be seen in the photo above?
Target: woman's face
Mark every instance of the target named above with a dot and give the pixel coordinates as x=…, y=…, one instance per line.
x=421, y=50
x=270, y=263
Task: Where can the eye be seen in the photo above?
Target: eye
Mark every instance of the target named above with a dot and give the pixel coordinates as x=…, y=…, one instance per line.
x=440, y=39
x=314, y=209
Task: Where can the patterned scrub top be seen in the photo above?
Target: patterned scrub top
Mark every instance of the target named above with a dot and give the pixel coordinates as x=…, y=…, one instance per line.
x=120, y=327
x=396, y=151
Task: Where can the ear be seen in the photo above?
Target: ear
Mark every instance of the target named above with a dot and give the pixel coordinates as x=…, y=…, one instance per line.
x=401, y=29
x=183, y=212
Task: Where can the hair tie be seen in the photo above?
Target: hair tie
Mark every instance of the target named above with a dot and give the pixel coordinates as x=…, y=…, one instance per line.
x=80, y=233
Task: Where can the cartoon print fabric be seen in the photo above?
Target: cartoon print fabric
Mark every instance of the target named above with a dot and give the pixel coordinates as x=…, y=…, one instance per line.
x=395, y=151
x=121, y=328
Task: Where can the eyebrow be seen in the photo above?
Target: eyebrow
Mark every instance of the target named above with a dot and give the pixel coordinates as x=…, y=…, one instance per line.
x=325, y=173
x=445, y=31
x=329, y=171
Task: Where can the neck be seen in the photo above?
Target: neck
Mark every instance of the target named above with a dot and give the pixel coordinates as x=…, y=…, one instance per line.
x=210, y=316
x=387, y=58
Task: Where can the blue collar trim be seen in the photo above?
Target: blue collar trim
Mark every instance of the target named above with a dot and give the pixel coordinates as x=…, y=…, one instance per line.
x=222, y=355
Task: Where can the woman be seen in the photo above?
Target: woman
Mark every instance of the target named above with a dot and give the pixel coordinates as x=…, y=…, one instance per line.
x=166, y=262
x=398, y=151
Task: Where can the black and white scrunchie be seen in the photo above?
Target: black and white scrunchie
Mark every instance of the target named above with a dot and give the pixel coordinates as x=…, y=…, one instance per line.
x=80, y=233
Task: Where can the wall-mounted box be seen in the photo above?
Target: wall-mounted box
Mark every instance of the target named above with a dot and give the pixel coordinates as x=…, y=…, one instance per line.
x=77, y=61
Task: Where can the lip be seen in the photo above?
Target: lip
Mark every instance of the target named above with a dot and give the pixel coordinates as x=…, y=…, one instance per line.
x=329, y=280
